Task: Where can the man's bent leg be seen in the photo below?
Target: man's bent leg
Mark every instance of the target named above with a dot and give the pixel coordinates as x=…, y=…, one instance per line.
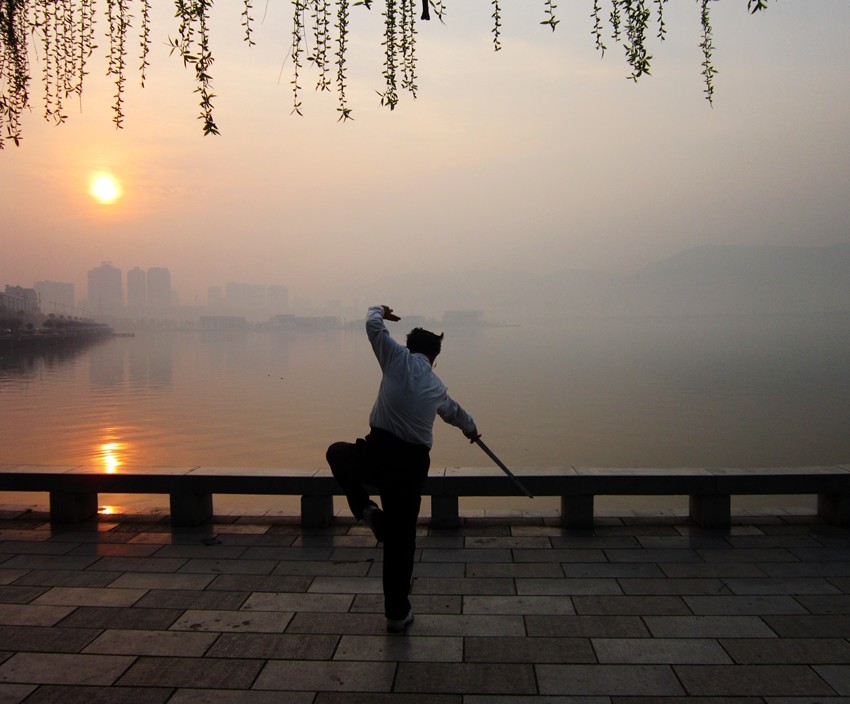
x=346, y=463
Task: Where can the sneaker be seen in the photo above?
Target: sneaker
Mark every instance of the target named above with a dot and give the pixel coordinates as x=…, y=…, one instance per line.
x=374, y=518
x=397, y=625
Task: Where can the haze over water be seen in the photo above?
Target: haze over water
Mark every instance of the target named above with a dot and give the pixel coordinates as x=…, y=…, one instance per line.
x=665, y=392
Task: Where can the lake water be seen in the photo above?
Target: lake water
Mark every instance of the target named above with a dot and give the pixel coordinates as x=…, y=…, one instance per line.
x=650, y=392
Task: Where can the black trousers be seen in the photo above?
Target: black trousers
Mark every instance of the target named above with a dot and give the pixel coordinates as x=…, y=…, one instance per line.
x=397, y=469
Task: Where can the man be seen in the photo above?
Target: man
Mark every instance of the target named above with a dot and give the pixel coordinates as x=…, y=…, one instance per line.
x=395, y=456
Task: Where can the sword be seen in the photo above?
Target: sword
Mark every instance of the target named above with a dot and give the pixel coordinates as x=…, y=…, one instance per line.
x=502, y=466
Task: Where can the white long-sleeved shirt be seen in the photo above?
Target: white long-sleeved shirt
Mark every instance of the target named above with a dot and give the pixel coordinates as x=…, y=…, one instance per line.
x=411, y=394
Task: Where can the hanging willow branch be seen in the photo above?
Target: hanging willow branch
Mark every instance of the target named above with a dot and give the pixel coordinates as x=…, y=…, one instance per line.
x=60, y=34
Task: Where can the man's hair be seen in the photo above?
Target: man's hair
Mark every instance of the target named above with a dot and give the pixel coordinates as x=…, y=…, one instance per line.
x=424, y=341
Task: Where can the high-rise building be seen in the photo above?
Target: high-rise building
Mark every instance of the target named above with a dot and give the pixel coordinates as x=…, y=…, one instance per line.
x=56, y=297
x=245, y=296
x=159, y=288
x=105, y=292
x=137, y=291
x=278, y=299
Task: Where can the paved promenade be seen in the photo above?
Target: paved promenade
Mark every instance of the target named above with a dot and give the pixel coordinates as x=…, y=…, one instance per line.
x=256, y=610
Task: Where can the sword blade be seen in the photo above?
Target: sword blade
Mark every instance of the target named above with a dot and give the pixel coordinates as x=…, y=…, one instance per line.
x=501, y=465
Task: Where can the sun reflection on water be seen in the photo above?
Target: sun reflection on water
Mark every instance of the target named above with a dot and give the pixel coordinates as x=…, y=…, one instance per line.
x=110, y=456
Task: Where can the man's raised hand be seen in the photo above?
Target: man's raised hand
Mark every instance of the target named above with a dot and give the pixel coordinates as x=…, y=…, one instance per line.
x=389, y=315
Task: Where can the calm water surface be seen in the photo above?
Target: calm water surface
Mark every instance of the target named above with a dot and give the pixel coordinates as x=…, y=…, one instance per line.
x=655, y=392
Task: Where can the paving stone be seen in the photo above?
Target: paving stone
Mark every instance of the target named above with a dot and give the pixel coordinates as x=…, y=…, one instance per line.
x=447, y=570
x=365, y=540
x=657, y=555
x=287, y=554
x=160, y=580
x=507, y=541
x=346, y=585
x=528, y=650
x=606, y=570
x=382, y=698
x=720, y=570
x=749, y=556
x=274, y=646
x=807, y=700
x=660, y=651
x=69, y=694
x=594, y=541
x=810, y=626
x=837, y=676
x=136, y=564
x=440, y=541
x=673, y=587
x=44, y=639
x=375, y=554
x=742, y=605
x=464, y=678
x=32, y=614
x=15, y=693
x=204, y=552
x=841, y=583
x=467, y=555
x=422, y=603
x=826, y=604
x=114, y=550
x=89, y=596
x=192, y=599
x=68, y=578
x=244, y=621
x=765, y=585
x=122, y=618
x=682, y=542
x=806, y=569
x=517, y=605
x=338, y=623
x=325, y=569
x=468, y=625
x=156, y=643
x=223, y=696
x=567, y=587
x=585, y=626
x=708, y=627
x=689, y=700
x=559, y=555
x=612, y=680
x=410, y=648
x=61, y=668
x=751, y=680
x=531, y=570
x=16, y=594
x=227, y=566
x=757, y=651
x=49, y=562
x=31, y=547
x=205, y=673
x=773, y=541
x=438, y=585
x=310, y=675
x=630, y=605
x=822, y=554
x=9, y=576
x=260, y=583
x=269, y=601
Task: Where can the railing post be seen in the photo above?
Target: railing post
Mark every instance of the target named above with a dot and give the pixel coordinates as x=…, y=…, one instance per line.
x=190, y=509
x=444, y=511
x=577, y=511
x=711, y=510
x=317, y=511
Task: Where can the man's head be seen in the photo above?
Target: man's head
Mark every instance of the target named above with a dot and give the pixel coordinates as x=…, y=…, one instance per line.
x=425, y=342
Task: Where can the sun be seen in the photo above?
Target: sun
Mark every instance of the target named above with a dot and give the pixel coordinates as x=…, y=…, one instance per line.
x=104, y=188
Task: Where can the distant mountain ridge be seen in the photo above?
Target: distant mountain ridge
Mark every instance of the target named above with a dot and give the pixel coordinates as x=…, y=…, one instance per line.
x=714, y=279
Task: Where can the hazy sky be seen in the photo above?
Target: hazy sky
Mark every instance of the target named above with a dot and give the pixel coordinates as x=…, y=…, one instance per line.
x=540, y=157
